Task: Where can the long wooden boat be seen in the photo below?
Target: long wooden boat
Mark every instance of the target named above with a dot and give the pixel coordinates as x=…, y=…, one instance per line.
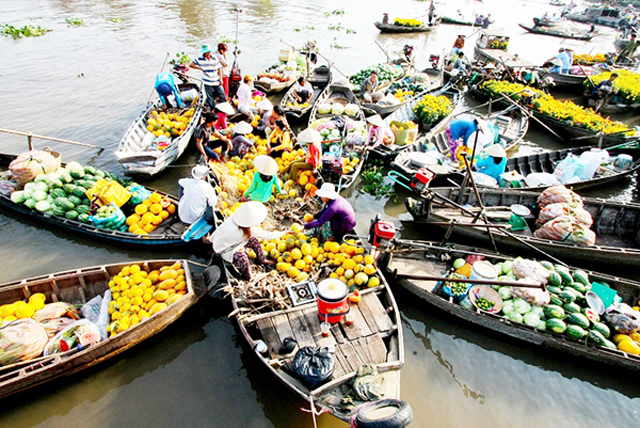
x=320, y=79
x=557, y=32
x=78, y=286
x=611, y=17
x=586, y=135
x=614, y=106
x=491, y=47
x=392, y=28
x=273, y=87
x=136, y=151
x=375, y=338
x=615, y=224
x=542, y=22
x=564, y=80
x=455, y=21
x=167, y=233
x=414, y=259
x=512, y=126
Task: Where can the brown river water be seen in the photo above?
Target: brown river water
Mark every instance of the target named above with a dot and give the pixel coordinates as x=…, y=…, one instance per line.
x=88, y=83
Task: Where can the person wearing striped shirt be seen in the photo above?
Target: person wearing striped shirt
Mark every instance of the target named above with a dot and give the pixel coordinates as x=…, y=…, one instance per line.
x=211, y=76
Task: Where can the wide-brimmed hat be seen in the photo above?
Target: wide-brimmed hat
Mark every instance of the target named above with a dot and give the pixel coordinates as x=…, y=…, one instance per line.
x=556, y=61
x=250, y=214
x=328, y=190
x=199, y=171
x=264, y=104
x=512, y=176
x=310, y=135
x=496, y=151
x=483, y=125
x=242, y=127
x=266, y=165
x=205, y=49
x=489, y=66
x=225, y=107
x=376, y=120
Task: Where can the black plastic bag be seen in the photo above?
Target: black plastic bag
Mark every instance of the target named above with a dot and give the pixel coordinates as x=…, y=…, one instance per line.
x=313, y=365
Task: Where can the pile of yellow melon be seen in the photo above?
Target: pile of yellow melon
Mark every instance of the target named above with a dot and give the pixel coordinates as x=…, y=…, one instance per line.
x=21, y=309
x=149, y=214
x=169, y=124
x=138, y=294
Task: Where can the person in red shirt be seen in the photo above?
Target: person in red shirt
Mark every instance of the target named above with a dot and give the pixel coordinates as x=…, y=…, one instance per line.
x=313, y=160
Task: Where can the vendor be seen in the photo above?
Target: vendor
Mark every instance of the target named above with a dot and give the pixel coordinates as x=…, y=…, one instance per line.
x=368, y=90
x=604, y=91
x=244, y=97
x=458, y=44
x=493, y=161
x=239, y=142
x=205, y=144
x=379, y=132
x=277, y=114
x=461, y=129
x=239, y=231
x=223, y=110
x=165, y=86
x=313, y=160
x=279, y=140
x=561, y=62
x=262, y=184
x=265, y=108
x=336, y=218
x=460, y=62
x=198, y=198
x=302, y=90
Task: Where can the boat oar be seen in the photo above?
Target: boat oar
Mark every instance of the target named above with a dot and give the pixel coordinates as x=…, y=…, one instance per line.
x=532, y=116
x=382, y=49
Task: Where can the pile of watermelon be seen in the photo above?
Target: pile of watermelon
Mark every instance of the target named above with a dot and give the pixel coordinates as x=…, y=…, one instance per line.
x=62, y=193
x=567, y=312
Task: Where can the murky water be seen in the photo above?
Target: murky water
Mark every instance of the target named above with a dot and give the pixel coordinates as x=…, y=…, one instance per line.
x=88, y=83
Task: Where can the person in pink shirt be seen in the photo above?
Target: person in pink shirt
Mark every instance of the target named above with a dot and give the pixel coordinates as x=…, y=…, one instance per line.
x=313, y=160
x=379, y=132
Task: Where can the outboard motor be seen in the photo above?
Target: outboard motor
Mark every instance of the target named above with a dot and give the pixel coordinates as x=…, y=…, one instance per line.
x=435, y=61
x=381, y=233
x=421, y=180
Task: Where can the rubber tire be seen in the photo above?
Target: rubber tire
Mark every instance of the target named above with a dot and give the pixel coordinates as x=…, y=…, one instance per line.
x=400, y=419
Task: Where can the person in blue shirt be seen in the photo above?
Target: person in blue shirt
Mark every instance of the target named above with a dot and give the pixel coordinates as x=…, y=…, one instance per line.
x=462, y=128
x=165, y=86
x=561, y=62
x=493, y=161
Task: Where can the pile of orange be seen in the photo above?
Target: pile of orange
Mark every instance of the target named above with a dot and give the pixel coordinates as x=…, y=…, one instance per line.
x=149, y=214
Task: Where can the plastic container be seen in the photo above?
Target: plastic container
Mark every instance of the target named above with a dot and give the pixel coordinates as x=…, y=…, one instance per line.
x=483, y=270
x=332, y=300
x=623, y=162
x=607, y=295
x=483, y=179
x=286, y=55
x=594, y=158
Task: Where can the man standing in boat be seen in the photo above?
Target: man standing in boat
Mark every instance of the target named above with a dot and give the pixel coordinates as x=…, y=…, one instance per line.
x=197, y=198
x=432, y=12
x=211, y=76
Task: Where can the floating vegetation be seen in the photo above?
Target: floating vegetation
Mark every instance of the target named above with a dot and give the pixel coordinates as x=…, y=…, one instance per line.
x=373, y=180
x=334, y=12
x=181, y=58
x=351, y=31
x=337, y=46
x=116, y=20
x=76, y=22
x=335, y=27
x=26, y=31
x=224, y=39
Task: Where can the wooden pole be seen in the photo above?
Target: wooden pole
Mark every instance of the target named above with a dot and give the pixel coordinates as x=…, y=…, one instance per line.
x=30, y=137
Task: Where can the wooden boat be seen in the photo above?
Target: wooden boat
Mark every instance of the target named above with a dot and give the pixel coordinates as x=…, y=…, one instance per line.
x=553, y=31
x=375, y=337
x=606, y=15
x=137, y=152
x=392, y=28
x=563, y=80
x=491, y=46
x=542, y=22
x=415, y=259
x=455, y=21
x=615, y=224
x=512, y=126
x=320, y=80
x=263, y=84
x=78, y=286
x=579, y=135
x=615, y=105
x=167, y=233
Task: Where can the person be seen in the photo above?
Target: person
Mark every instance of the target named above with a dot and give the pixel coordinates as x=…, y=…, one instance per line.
x=313, y=160
x=244, y=97
x=592, y=29
x=221, y=55
x=241, y=230
x=265, y=108
x=279, y=141
x=165, y=86
x=487, y=21
x=493, y=161
x=240, y=144
x=479, y=20
x=262, y=183
x=336, y=218
x=461, y=129
x=222, y=110
x=460, y=62
x=368, y=90
x=198, y=198
x=603, y=91
x=569, y=53
x=458, y=44
x=385, y=18
x=629, y=50
x=530, y=77
x=511, y=179
x=379, y=132
x=432, y=12
x=206, y=146
x=302, y=90
x=561, y=62
x=211, y=76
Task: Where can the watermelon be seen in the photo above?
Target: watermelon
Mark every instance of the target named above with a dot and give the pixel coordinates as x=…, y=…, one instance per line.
x=79, y=191
x=609, y=344
x=566, y=278
x=596, y=337
x=57, y=211
x=591, y=315
x=77, y=173
x=66, y=178
x=554, y=311
x=542, y=325
x=71, y=214
x=89, y=177
x=556, y=325
x=555, y=300
x=602, y=329
x=581, y=277
x=555, y=279
x=83, y=209
x=68, y=188
x=61, y=201
x=547, y=265
x=578, y=319
x=89, y=170
x=554, y=289
x=580, y=287
x=83, y=218
x=575, y=331
x=56, y=183
x=571, y=308
x=100, y=174
x=88, y=184
x=40, y=178
x=75, y=200
x=30, y=203
x=58, y=193
x=567, y=296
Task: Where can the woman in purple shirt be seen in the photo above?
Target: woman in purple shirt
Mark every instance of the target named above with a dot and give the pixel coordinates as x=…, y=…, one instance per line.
x=337, y=211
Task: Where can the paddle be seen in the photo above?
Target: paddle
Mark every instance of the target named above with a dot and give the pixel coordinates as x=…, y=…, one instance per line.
x=532, y=116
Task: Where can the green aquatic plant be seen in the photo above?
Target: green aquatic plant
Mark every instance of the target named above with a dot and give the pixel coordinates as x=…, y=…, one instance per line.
x=26, y=31
x=76, y=22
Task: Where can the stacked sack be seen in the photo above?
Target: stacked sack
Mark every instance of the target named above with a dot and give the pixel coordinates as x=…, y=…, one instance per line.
x=563, y=218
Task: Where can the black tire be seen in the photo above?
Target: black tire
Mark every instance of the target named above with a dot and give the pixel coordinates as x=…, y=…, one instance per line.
x=403, y=415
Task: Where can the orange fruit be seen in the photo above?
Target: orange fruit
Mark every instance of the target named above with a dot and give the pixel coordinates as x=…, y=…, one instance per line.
x=133, y=218
x=149, y=228
x=147, y=218
x=164, y=214
x=155, y=208
x=155, y=198
x=147, y=203
x=171, y=208
x=141, y=209
x=156, y=220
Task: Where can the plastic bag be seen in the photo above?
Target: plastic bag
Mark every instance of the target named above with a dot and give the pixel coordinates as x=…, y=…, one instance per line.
x=623, y=318
x=113, y=221
x=28, y=165
x=533, y=296
x=57, y=310
x=73, y=332
x=368, y=385
x=552, y=211
x=582, y=235
x=566, y=228
x=138, y=194
x=566, y=168
x=114, y=193
x=531, y=270
x=55, y=325
x=537, y=179
x=91, y=309
x=313, y=364
x=559, y=194
x=104, y=317
x=21, y=340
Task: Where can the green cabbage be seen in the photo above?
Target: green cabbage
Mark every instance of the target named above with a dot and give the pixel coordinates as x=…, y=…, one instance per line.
x=521, y=306
x=42, y=186
x=507, y=308
x=30, y=187
x=531, y=319
x=43, y=206
x=541, y=325
x=30, y=203
x=19, y=196
x=506, y=267
x=538, y=310
x=39, y=195
x=505, y=293
x=74, y=166
x=515, y=316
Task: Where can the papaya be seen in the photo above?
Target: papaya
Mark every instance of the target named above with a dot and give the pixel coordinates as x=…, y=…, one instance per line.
x=160, y=295
x=157, y=308
x=167, y=283
x=169, y=273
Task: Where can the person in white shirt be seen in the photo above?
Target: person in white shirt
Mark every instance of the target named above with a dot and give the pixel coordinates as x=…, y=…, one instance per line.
x=198, y=197
x=221, y=55
x=239, y=231
x=244, y=97
x=302, y=90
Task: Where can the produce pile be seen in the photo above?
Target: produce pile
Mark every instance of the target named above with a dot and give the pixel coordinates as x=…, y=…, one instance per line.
x=499, y=44
x=589, y=59
x=627, y=85
x=137, y=294
x=402, y=22
x=295, y=104
x=386, y=73
x=432, y=109
x=563, y=218
x=335, y=109
x=561, y=309
x=169, y=124
x=284, y=71
x=515, y=91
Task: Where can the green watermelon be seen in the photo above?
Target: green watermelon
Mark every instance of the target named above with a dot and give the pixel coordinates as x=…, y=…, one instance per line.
x=66, y=178
x=566, y=278
x=88, y=184
x=79, y=191
x=609, y=344
x=567, y=296
x=58, y=193
x=71, y=214
x=56, y=183
x=75, y=200
x=547, y=265
x=554, y=289
x=83, y=209
x=571, y=308
x=77, y=173
x=83, y=218
x=554, y=311
x=581, y=277
x=555, y=279
x=556, y=325
x=89, y=177
x=68, y=188
x=578, y=319
x=580, y=287
x=57, y=211
x=89, y=170
x=602, y=329
x=99, y=173
x=555, y=300
x=575, y=331
x=596, y=337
